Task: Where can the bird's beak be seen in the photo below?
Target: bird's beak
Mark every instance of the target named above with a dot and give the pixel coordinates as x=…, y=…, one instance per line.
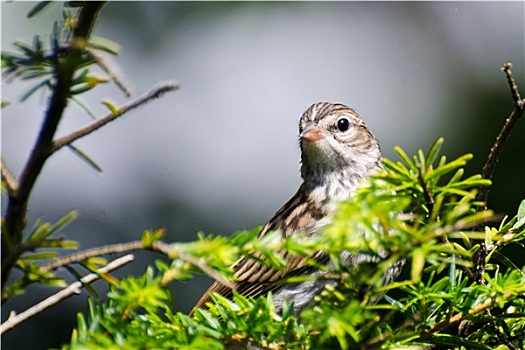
x=312, y=133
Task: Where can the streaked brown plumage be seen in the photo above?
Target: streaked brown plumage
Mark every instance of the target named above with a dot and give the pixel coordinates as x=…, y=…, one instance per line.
x=336, y=151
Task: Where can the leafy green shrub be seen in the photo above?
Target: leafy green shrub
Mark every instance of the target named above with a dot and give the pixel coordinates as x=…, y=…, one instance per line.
x=420, y=209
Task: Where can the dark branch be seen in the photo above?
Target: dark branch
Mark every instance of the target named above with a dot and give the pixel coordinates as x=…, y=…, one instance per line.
x=154, y=93
x=488, y=169
x=15, y=219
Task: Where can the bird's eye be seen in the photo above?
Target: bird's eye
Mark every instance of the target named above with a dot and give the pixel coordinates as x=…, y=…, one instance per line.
x=343, y=124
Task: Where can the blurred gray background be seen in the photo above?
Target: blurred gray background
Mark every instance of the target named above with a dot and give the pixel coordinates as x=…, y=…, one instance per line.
x=221, y=154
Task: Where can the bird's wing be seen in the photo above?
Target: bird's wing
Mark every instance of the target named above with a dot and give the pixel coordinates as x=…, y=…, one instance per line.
x=299, y=214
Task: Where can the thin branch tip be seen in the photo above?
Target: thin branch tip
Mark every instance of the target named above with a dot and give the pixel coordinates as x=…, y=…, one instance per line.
x=506, y=66
x=169, y=85
x=163, y=87
x=156, y=91
x=518, y=102
x=517, y=113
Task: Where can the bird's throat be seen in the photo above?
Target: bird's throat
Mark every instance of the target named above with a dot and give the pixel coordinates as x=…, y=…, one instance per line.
x=332, y=188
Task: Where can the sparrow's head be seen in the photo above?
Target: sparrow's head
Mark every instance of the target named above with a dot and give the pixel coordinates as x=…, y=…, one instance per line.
x=336, y=141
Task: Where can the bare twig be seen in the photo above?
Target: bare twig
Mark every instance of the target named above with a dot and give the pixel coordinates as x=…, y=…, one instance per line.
x=512, y=84
x=157, y=246
x=488, y=169
x=15, y=217
x=73, y=288
x=8, y=179
x=89, y=253
x=157, y=91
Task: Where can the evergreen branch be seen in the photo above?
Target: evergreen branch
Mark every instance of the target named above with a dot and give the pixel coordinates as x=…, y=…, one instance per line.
x=64, y=70
x=453, y=319
x=488, y=168
x=74, y=288
x=156, y=92
x=8, y=178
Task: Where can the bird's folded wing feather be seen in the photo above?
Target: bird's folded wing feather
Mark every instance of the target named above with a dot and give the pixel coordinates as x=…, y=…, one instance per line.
x=299, y=214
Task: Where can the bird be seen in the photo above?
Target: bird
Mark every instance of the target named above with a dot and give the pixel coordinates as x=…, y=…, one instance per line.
x=337, y=151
